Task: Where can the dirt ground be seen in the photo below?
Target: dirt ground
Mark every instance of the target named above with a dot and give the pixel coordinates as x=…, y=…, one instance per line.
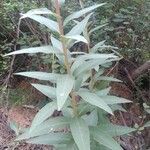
x=23, y=117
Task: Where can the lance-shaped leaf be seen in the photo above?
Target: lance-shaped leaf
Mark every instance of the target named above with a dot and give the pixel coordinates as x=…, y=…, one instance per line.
x=65, y=84
x=80, y=133
x=50, y=125
x=15, y=127
x=103, y=92
x=84, y=108
x=78, y=38
x=114, y=100
x=46, y=127
x=40, y=11
x=43, y=114
x=52, y=25
x=96, y=146
x=147, y=124
x=69, y=146
x=117, y=107
x=106, y=78
x=79, y=28
x=57, y=44
x=58, y=48
x=88, y=65
x=25, y=135
x=97, y=28
x=97, y=46
x=96, y=56
x=114, y=130
x=81, y=12
x=91, y=119
x=40, y=75
x=51, y=139
x=81, y=59
x=95, y=100
x=105, y=139
x=81, y=80
x=43, y=49
x=46, y=90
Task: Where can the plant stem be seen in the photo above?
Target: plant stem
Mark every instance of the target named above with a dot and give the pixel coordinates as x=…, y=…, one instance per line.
x=61, y=29
x=74, y=104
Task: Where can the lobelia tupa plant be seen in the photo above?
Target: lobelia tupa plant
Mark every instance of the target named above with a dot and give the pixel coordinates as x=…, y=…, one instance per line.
x=85, y=106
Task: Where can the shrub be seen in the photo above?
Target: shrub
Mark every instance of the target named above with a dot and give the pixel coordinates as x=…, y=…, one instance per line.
x=85, y=106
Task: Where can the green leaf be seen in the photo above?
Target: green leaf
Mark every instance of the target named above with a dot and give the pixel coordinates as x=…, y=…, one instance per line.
x=102, y=147
x=43, y=114
x=117, y=107
x=15, y=127
x=91, y=119
x=79, y=28
x=40, y=75
x=147, y=124
x=65, y=84
x=114, y=130
x=105, y=139
x=46, y=127
x=52, y=25
x=46, y=90
x=81, y=79
x=69, y=146
x=80, y=133
x=40, y=11
x=108, y=79
x=51, y=139
x=96, y=56
x=78, y=38
x=81, y=59
x=84, y=108
x=88, y=65
x=85, y=66
x=103, y=92
x=59, y=49
x=114, y=99
x=97, y=46
x=56, y=44
x=94, y=100
x=102, y=116
x=81, y=12
x=72, y=147
x=97, y=28
x=23, y=136
x=43, y=49
x=50, y=125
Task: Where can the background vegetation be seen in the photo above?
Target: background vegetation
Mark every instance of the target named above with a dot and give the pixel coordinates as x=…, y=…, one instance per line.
x=126, y=27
